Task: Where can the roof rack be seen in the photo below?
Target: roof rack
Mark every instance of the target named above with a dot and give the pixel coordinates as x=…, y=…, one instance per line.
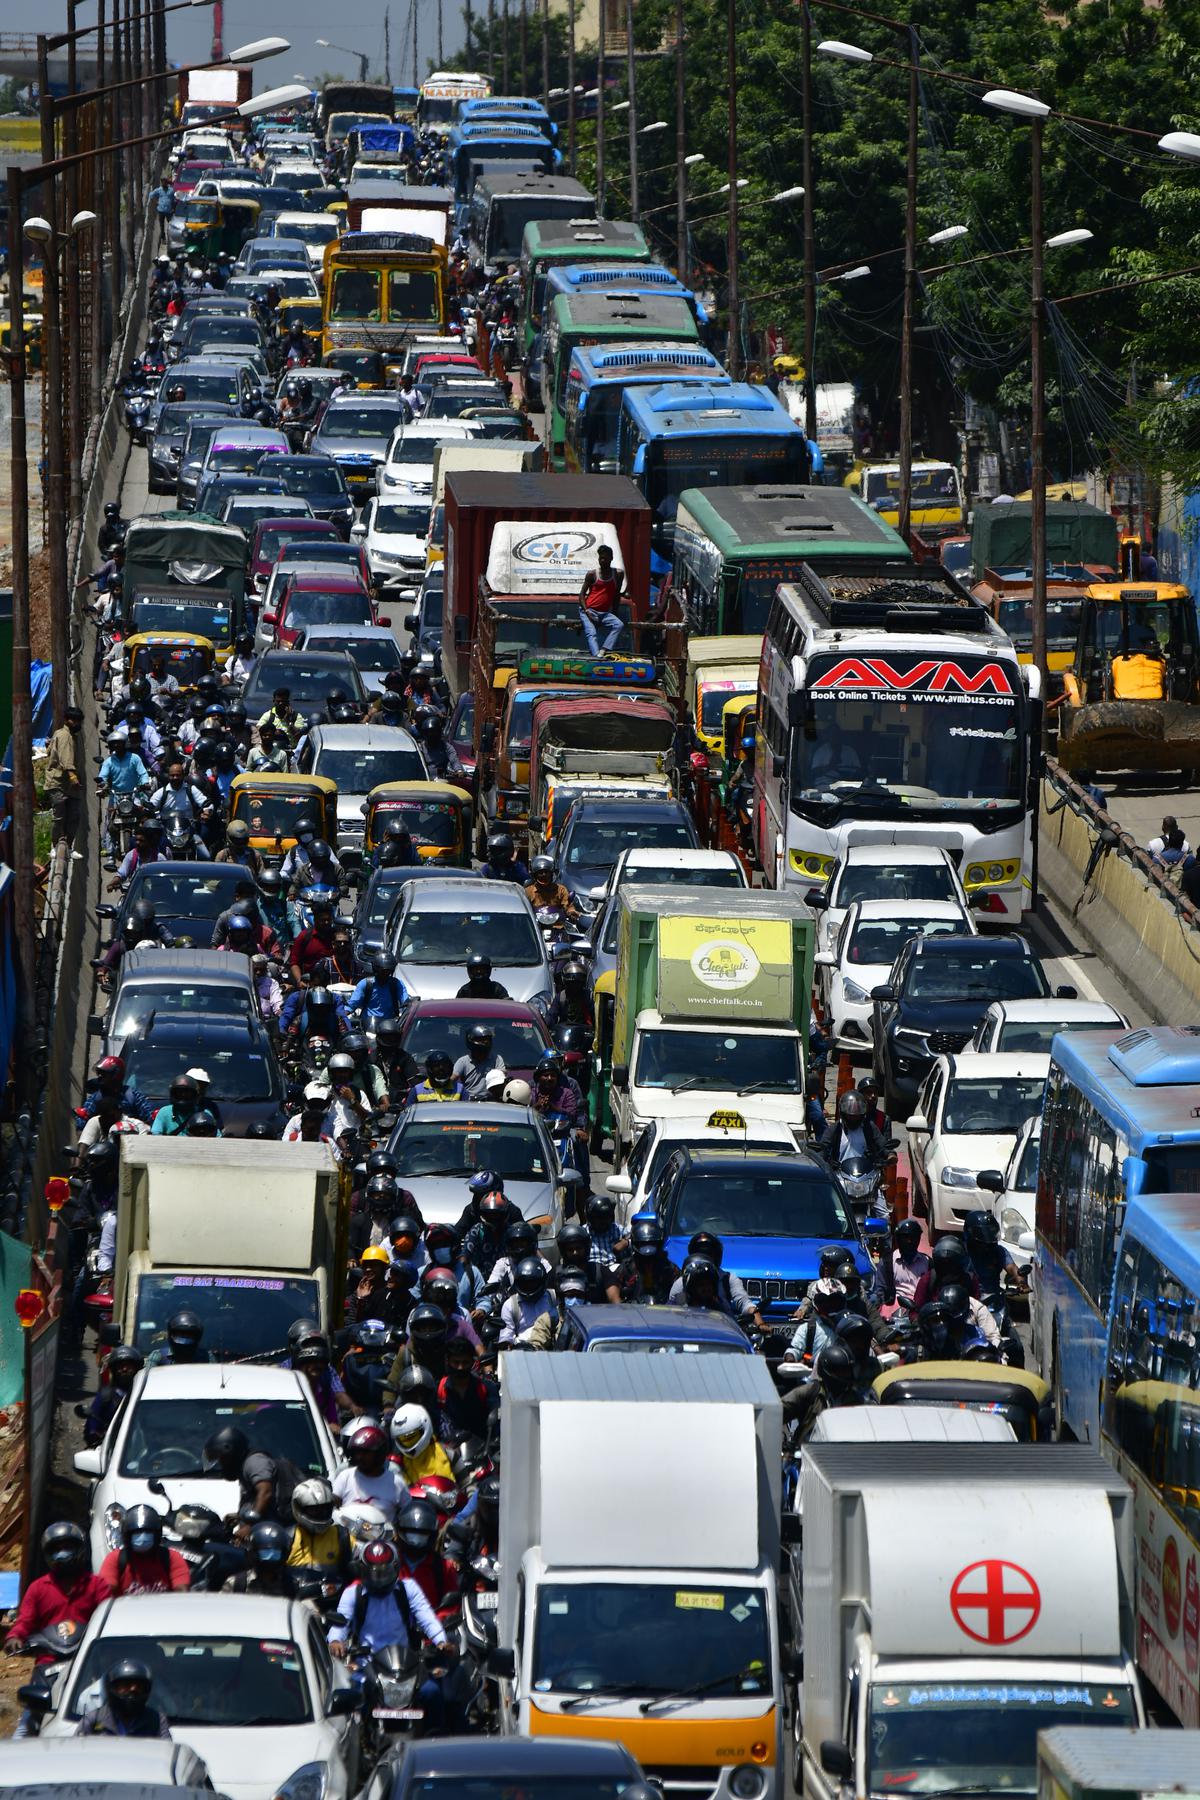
x=896, y=600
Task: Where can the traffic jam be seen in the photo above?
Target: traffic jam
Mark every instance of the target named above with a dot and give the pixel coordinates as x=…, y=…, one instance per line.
x=604, y=1260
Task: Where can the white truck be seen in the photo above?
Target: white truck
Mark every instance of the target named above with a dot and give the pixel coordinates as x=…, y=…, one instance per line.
x=249, y=1236
x=639, y=1556
x=957, y=1599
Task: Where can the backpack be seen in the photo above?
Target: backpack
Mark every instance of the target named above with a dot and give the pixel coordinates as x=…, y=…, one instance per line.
x=288, y=1476
x=362, y=1596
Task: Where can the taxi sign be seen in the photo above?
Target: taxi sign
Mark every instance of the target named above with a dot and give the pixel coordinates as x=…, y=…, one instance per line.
x=726, y=1121
x=609, y=670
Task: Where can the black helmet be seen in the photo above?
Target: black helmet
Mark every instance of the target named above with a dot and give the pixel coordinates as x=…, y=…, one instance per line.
x=185, y=1327
x=306, y=828
x=226, y=1444
x=125, y=1358
x=571, y=1282
x=574, y=975
x=573, y=1237
x=849, y=1274
x=542, y=868
x=427, y=1324
x=405, y=1224
x=646, y=1237
x=499, y=847
x=520, y=1239
x=601, y=1210
x=933, y=1322
x=417, y=1384
x=855, y=1332
x=111, y=510
x=381, y=1162
x=320, y=1000
x=957, y=1302
x=829, y=1261
x=981, y=1230
x=697, y=1271
x=908, y=1231
x=202, y=1124
x=478, y=965
x=299, y=1330
x=851, y=1110
x=480, y=1037
x=269, y=1543
x=835, y=1368
x=706, y=1243
x=529, y=1278
x=417, y=1528
x=142, y=1529
x=487, y=1498
x=143, y=915
x=949, y=1257
x=64, y=1546
x=438, y=1066
x=383, y=967
x=355, y=1045
x=319, y=851
x=127, y=1686
x=397, y=831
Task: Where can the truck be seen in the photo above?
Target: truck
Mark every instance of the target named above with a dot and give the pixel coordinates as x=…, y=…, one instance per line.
x=476, y=503
x=205, y=92
x=1089, y=1762
x=956, y=1598
x=250, y=1236
x=657, y=1626
x=713, y=994
x=342, y=104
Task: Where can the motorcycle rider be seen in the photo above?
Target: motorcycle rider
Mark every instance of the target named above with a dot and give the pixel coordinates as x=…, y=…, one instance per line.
x=440, y=1082
x=483, y=1242
x=180, y=798
x=529, y=1302
x=185, y=1334
x=68, y=1593
x=171, y=1120
x=572, y=1005
x=314, y=945
x=238, y=848
x=369, y=1475
x=819, y=1327
x=542, y=891
x=141, y=929
x=417, y=1527
x=909, y=1261
x=144, y=1564
x=270, y=756
x=395, y=849
x=267, y=1570
x=420, y=1454
x=646, y=1274
x=479, y=984
x=852, y=1136
x=317, y=1542
x=381, y=994
x=502, y=862
x=385, y=1608
x=734, y=1298
x=466, y=1398
x=125, y=1363
x=480, y=1060
x=126, y=1709
x=440, y=754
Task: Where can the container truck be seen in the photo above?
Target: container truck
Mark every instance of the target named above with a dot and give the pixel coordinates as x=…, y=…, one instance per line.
x=217, y=89
x=1086, y=1762
x=713, y=997
x=957, y=1598
x=639, y=1553
x=250, y=1236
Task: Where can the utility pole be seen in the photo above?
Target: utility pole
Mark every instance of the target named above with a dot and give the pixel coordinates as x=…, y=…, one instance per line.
x=470, y=24
x=734, y=342
x=681, y=249
x=441, y=57
x=910, y=290
x=631, y=77
x=56, y=497
x=810, y=257
x=546, y=53
x=416, y=76
x=1037, y=446
x=524, y=45
x=601, y=106
x=571, y=84
x=25, y=921
x=492, y=42
x=504, y=50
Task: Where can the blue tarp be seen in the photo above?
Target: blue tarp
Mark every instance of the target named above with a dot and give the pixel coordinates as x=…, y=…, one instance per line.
x=43, y=716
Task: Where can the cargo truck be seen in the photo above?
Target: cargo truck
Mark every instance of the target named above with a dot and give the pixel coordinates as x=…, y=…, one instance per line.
x=476, y=503
x=957, y=1598
x=251, y=1236
x=709, y=1002
x=203, y=93
x=1085, y=1762
x=653, y=1622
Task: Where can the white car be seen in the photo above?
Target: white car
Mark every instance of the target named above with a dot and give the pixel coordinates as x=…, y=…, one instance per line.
x=662, y=1137
x=871, y=937
x=884, y=872
x=1034, y=1024
x=246, y=1679
x=372, y=649
x=1014, y=1192
x=160, y=1433
x=407, y=469
x=393, y=532
x=968, y=1114
x=677, y=868
x=314, y=230
x=72, y=1765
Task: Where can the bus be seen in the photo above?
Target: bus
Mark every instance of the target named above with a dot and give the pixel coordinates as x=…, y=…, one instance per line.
x=495, y=141
x=734, y=545
x=639, y=278
x=379, y=288
x=502, y=205
x=936, y=505
x=441, y=95
x=525, y=109
x=597, y=378
x=571, y=320
x=547, y=243
x=672, y=438
x=892, y=706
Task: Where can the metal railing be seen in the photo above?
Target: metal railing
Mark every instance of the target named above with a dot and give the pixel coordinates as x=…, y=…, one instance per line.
x=1113, y=840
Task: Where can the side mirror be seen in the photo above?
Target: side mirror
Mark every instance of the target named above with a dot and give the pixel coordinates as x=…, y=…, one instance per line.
x=618, y=1184
x=501, y=1663
x=1027, y=1242
x=106, y=911
x=825, y=959
x=89, y=1462
x=95, y=1024
x=836, y=1759
x=916, y=1122
x=884, y=993
x=381, y=620
x=597, y=893
x=990, y=1179
x=36, y=1696
x=344, y=1701
x=817, y=898
x=777, y=768
x=412, y=622
x=620, y=1075
x=1066, y=993
x=270, y=618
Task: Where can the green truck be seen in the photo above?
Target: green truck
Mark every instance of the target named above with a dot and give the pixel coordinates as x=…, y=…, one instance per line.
x=711, y=1007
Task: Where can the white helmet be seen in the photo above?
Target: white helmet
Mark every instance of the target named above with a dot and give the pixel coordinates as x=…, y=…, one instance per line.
x=517, y=1093
x=312, y=1505
x=412, y=1429
x=365, y=1522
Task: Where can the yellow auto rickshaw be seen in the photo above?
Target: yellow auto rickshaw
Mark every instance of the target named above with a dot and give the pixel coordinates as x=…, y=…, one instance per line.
x=719, y=670
x=303, y=310
x=186, y=656
x=1015, y=1394
x=437, y=814
x=271, y=805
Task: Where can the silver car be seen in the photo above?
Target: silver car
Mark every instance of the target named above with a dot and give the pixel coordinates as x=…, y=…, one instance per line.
x=440, y=924
x=359, y=757
x=355, y=430
x=439, y=1148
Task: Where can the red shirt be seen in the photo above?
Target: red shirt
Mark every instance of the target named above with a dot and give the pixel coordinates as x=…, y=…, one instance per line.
x=144, y=1574
x=47, y=1602
x=601, y=597
x=309, y=949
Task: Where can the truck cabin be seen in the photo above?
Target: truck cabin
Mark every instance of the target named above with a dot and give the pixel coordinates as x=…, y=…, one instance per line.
x=384, y=284
x=937, y=507
x=1138, y=642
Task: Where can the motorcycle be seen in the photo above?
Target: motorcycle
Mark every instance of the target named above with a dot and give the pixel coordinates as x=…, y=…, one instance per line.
x=203, y=1539
x=388, y=1680
x=477, y=1636
x=861, y=1182
x=37, y=1695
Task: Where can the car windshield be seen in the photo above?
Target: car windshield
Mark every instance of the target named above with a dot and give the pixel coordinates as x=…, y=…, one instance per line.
x=716, y=696
x=242, y=1315
x=204, y=387
x=975, y=975
x=1062, y=622
x=436, y=823
x=736, y=1201
x=137, y=1005
x=628, y=1636
x=881, y=940
x=997, y=1106
x=517, y=1042
x=375, y=656
x=410, y=450
x=651, y=1346
x=307, y=682
x=194, y=618
x=272, y=542
x=707, y=877
x=413, y=294
x=596, y=845
x=358, y=771
x=457, y=1148
x=310, y=607
x=449, y=938
x=739, y=1061
x=239, y=459
x=894, y=881
x=199, y=1681
x=355, y=294
x=404, y=521
x=312, y=479
x=526, y=1787
x=384, y=898
x=217, y=329
x=269, y=811
x=176, y=894
x=953, y=1737
x=358, y=422
x=167, y=1437
x=1037, y=1035
x=240, y=1073
x=309, y=231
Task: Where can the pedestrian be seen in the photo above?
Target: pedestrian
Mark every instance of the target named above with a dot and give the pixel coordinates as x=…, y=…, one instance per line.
x=61, y=780
x=1167, y=832
x=163, y=197
x=598, y=599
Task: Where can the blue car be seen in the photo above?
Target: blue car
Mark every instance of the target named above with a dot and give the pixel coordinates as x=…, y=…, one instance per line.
x=774, y=1215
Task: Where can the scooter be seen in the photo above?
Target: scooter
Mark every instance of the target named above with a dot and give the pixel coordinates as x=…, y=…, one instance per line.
x=38, y=1694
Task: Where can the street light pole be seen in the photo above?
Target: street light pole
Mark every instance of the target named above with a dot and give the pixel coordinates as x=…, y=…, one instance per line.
x=810, y=252
x=734, y=335
x=601, y=105
x=631, y=77
x=571, y=83
x=25, y=919
x=910, y=291
x=1037, y=424
x=681, y=237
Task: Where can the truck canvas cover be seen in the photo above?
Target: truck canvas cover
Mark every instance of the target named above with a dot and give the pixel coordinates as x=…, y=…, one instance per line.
x=1075, y=533
x=185, y=553
x=531, y=557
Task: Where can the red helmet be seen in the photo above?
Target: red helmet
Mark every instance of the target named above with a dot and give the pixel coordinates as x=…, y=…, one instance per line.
x=370, y=1437
x=111, y=1064
x=380, y=1564
x=438, y=1489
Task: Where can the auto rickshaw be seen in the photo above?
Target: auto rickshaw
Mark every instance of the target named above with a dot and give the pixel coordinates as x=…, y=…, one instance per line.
x=604, y=999
x=1015, y=1394
x=366, y=366
x=303, y=310
x=202, y=222
x=271, y=805
x=719, y=669
x=187, y=657
x=239, y=223
x=437, y=814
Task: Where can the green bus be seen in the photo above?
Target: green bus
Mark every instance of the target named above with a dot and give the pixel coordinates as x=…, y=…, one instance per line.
x=573, y=320
x=733, y=546
x=550, y=243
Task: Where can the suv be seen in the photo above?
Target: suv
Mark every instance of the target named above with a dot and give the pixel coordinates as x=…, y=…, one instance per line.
x=247, y=1084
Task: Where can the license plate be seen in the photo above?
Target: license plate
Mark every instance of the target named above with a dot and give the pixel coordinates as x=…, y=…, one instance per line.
x=487, y=1602
x=397, y=1712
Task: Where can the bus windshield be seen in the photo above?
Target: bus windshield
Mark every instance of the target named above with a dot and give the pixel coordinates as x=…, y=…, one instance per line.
x=1062, y=623
x=930, y=487
x=674, y=465
x=355, y=294
x=413, y=294
x=507, y=219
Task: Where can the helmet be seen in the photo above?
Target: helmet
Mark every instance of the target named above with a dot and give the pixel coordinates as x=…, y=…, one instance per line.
x=933, y=1322
x=312, y=1505
x=270, y=1543
x=542, y=868
x=127, y=1686
x=355, y=1045
x=706, y=1243
x=438, y=1066
x=646, y=1237
x=381, y=1162
x=314, y=1350
x=499, y=847
x=380, y=1194
x=237, y=832
x=226, y=1444
x=851, y=1110
x=600, y=1211
x=417, y=1387
x=380, y=1565
x=141, y=1529
x=340, y=1067
x=855, y=1332
x=981, y=1230
x=517, y=1093
x=319, y=851
x=548, y=1063
x=908, y=1232
x=412, y=1429
x=520, y=1239
x=417, y=1528
x=306, y=829
x=366, y=1439
x=530, y=1278
x=185, y=1328
x=849, y=1274
x=487, y=1498
x=574, y=975
x=830, y=1260
x=573, y=1238
x=479, y=966
x=698, y=1271
x=64, y=1545
x=480, y=1037
x=203, y=1124
x=111, y=510
x=365, y=1523
x=485, y=1181
x=126, y=1360
x=383, y=967
x=571, y=1283
x=957, y=1302
x=949, y=1257
x=440, y=1287
x=398, y=832
x=143, y=915
x=427, y=1324
x=835, y=1368
x=828, y=1297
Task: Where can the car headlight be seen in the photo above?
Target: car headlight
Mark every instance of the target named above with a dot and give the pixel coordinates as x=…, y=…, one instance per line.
x=856, y=995
x=957, y=1178
x=747, y=1782
x=113, y=1516
x=1013, y=1224
x=307, y=1783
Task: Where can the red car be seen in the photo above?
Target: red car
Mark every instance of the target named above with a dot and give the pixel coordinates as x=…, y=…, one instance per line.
x=270, y=537
x=520, y=1033
x=312, y=599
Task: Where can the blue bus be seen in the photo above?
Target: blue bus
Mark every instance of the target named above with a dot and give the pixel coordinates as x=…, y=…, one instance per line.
x=597, y=378
x=494, y=140
x=508, y=106
x=673, y=438
x=583, y=278
x=1150, y=1429
x=1121, y=1118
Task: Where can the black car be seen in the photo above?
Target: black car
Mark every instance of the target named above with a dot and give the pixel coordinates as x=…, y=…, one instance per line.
x=188, y=897
x=378, y=899
x=596, y=832
x=215, y=490
x=318, y=480
x=307, y=674
x=173, y=427
x=236, y=1054
x=540, y=1768
x=935, y=996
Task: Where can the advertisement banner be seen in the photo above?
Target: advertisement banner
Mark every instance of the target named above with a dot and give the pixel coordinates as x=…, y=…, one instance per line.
x=726, y=968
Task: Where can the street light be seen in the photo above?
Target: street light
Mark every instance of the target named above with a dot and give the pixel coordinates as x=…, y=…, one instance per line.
x=1181, y=143
x=694, y=160
x=654, y=125
x=1079, y=235
x=948, y=235
x=361, y=57
x=792, y=193
x=846, y=52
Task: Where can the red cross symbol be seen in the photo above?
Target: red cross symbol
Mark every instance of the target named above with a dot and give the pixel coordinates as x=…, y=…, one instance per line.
x=987, y=1593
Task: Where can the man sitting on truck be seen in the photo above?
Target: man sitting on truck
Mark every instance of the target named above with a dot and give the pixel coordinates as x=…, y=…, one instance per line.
x=598, y=599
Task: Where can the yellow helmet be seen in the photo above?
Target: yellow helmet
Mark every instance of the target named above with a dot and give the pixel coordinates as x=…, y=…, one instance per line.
x=786, y=365
x=374, y=1253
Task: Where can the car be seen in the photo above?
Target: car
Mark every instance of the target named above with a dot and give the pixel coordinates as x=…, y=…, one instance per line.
x=194, y=449
x=596, y=832
x=313, y=556
x=247, y=1679
x=102, y=1768
x=1034, y=1024
x=154, y=982
x=934, y=998
x=519, y=1032
x=323, y=382
x=240, y=449
x=172, y=1411
x=313, y=230
x=540, y=1768
x=203, y=379
x=461, y=733
x=188, y=897
x=774, y=1215
x=264, y=253
x=245, y=510
x=450, y=398
x=213, y=490
x=355, y=429
x=331, y=599
x=372, y=649
x=283, y=532
x=663, y=1330
x=900, y=871
x=437, y=928
x=660, y=1139
x=870, y=938
x=318, y=480
x=967, y=1116
x=171, y=431
x=392, y=532
x=407, y=468
x=379, y=897
x=687, y=868
x=358, y=757
x=293, y=280
x=307, y=674
x=1014, y=1192
x=247, y=1082
x=220, y=334
x=438, y=1149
